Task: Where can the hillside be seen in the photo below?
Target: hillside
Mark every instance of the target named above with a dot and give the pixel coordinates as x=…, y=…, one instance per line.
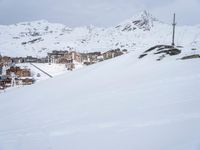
x=139, y=32
x=123, y=103
x=147, y=99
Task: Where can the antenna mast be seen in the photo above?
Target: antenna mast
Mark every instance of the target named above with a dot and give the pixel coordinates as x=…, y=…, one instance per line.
x=174, y=25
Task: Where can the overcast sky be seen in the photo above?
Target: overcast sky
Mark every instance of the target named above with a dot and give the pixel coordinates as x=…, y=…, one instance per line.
x=97, y=12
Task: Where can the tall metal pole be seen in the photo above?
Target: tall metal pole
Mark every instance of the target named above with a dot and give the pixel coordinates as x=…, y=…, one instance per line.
x=174, y=25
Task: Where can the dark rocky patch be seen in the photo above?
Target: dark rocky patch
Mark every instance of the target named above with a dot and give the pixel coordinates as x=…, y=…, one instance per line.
x=170, y=52
x=141, y=56
x=159, y=47
x=163, y=50
x=32, y=41
x=191, y=57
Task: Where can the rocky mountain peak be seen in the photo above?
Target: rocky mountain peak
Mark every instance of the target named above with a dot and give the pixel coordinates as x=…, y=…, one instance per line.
x=144, y=21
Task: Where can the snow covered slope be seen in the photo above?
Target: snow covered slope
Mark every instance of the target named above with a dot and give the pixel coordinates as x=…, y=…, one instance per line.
x=141, y=31
x=119, y=104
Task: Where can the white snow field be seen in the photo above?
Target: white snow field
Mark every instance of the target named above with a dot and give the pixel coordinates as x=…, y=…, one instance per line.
x=119, y=104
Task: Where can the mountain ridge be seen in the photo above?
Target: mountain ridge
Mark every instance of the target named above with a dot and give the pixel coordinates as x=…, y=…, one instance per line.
x=139, y=32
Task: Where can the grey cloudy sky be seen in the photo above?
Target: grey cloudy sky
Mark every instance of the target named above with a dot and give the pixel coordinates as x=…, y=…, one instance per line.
x=97, y=12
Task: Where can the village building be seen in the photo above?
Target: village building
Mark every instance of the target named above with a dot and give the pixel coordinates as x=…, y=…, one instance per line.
x=65, y=57
x=6, y=61
x=42, y=60
x=71, y=58
x=17, y=60
x=18, y=72
x=84, y=57
x=5, y=82
x=16, y=76
x=74, y=56
x=94, y=56
x=112, y=53
x=30, y=59
x=100, y=58
x=24, y=81
x=90, y=58
x=55, y=56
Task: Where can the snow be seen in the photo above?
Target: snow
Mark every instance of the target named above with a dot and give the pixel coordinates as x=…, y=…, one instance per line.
x=122, y=103
x=148, y=32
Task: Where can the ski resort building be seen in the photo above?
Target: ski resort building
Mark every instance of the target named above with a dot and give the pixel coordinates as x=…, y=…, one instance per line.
x=112, y=53
x=5, y=82
x=24, y=81
x=17, y=60
x=30, y=59
x=16, y=76
x=55, y=56
x=73, y=56
x=91, y=58
x=6, y=61
x=18, y=72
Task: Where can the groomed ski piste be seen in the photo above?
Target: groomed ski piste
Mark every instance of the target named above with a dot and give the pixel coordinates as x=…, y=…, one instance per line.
x=124, y=103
